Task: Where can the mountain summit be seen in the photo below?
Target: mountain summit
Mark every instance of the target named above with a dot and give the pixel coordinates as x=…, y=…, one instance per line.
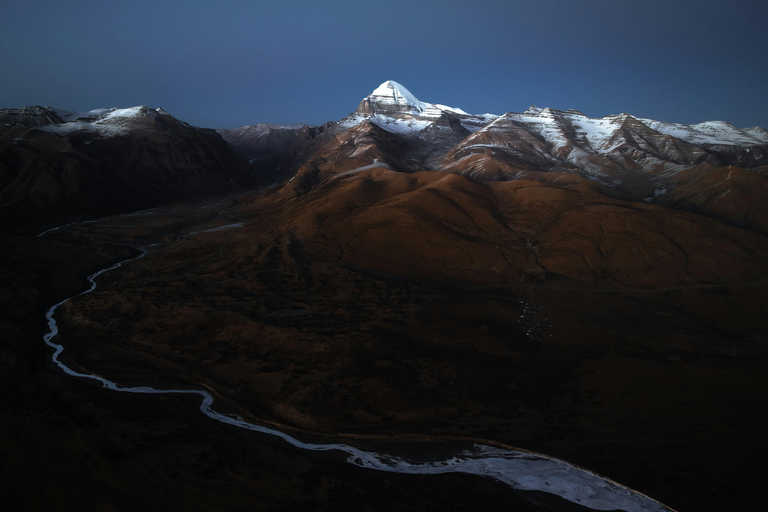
x=393, y=98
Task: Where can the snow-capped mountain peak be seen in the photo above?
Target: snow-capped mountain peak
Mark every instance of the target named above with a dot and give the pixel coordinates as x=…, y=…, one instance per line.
x=393, y=98
x=393, y=93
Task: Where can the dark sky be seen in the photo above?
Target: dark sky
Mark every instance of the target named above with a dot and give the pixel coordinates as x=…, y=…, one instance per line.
x=228, y=63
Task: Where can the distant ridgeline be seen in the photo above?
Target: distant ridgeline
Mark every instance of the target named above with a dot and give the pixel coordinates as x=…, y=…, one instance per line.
x=58, y=165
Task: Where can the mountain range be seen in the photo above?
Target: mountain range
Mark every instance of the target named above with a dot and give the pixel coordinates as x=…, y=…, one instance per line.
x=62, y=163
x=710, y=168
x=612, y=200
x=595, y=289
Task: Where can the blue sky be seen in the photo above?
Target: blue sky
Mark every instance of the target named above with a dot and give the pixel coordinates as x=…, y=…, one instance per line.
x=234, y=62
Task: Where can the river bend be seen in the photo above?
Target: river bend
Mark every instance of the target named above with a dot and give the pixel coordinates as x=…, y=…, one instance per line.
x=520, y=470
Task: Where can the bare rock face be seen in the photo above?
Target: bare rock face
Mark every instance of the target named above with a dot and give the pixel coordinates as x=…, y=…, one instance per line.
x=105, y=162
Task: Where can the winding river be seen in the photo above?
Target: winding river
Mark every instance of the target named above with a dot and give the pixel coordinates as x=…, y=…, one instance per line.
x=519, y=470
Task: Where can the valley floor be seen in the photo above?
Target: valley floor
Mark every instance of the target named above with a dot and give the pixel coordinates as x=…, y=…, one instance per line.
x=659, y=389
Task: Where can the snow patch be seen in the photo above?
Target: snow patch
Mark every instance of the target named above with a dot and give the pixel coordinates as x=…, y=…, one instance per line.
x=351, y=121
x=597, y=132
x=403, y=126
x=122, y=112
x=451, y=109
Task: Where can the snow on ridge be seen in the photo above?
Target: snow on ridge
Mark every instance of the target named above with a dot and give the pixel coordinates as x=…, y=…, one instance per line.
x=758, y=133
x=702, y=133
x=451, y=109
x=598, y=131
x=122, y=112
x=542, y=121
x=106, y=130
x=592, y=134
x=105, y=122
x=726, y=131
x=395, y=125
x=351, y=121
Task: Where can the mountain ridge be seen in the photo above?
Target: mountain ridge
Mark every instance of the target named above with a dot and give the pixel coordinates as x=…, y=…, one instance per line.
x=572, y=141
x=630, y=157
x=58, y=166
x=625, y=156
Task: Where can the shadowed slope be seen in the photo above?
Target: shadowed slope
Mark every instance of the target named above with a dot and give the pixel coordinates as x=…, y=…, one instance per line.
x=116, y=161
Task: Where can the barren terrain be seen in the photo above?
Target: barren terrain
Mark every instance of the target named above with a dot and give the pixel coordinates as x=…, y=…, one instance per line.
x=292, y=321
